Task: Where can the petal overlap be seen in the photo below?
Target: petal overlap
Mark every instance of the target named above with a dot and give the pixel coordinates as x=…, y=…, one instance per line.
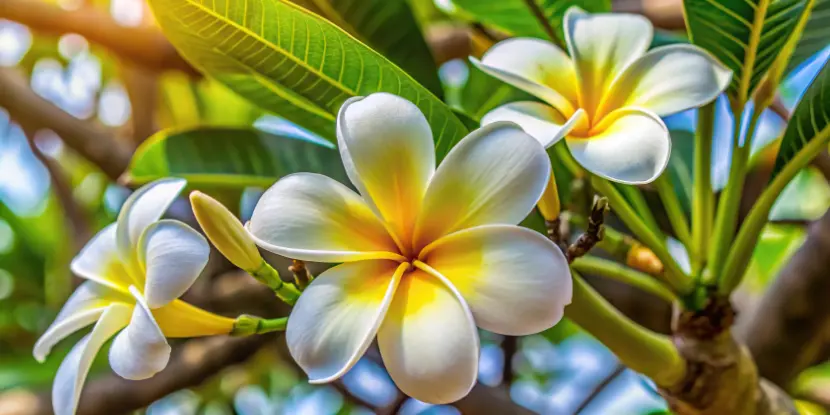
x=140, y=350
x=336, y=318
x=143, y=207
x=100, y=261
x=172, y=255
x=542, y=122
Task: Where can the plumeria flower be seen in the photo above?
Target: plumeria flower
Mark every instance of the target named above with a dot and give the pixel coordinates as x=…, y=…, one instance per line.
x=136, y=269
x=427, y=254
x=607, y=98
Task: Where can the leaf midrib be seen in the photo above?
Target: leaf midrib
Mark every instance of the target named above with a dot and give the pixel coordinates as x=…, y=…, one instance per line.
x=751, y=51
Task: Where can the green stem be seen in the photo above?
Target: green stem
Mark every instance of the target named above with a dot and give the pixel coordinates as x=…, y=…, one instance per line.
x=674, y=276
x=744, y=244
x=609, y=269
x=246, y=325
x=703, y=197
x=269, y=276
x=730, y=201
x=638, y=202
x=672, y=205
x=565, y=157
x=640, y=349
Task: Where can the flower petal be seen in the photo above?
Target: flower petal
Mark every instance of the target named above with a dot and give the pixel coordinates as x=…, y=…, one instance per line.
x=180, y=319
x=72, y=373
x=143, y=207
x=631, y=146
x=336, y=318
x=669, y=79
x=602, y=45
x=140, y=350
x=314, y=218
x=386, y=145
x=100, y=261
x=541, y=121
x=173, y=256
x=84, y=307
x=494, y=175
x=535, y=66
x=428, y=340
x=515, y=280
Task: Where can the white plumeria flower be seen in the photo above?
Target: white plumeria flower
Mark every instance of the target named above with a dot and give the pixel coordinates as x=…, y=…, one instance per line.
x=136, y=269
x=607, y=98
x=427, y=253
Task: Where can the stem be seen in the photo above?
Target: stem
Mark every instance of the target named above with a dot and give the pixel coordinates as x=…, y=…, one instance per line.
x=271, y=277
x=674, y=276
x=744, y=244
x=565, y=157
x=703, y=200
x=616, y=271
x=638, y=202
x=730, y=201
x=640, y=349
x=246, y=325
x=673, y=209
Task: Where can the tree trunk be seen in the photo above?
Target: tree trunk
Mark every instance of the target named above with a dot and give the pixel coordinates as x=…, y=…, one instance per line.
x=721, y=376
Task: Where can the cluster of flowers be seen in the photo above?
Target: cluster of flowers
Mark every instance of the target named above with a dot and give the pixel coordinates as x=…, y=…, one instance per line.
x=425, y=254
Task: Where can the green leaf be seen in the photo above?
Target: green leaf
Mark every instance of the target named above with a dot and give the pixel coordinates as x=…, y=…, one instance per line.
x=230, y=158
x=292, y=62
x=815, y=36
x=808, y=131
x=681, y=165
x=806, y=197
x=745, y=35
x=534, y=18
x=389, y=27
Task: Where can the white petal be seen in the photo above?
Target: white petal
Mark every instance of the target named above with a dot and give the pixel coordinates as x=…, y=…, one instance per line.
x=428, y=340
x=100, y=261
x=494, y=175
x=336, y=318
x=387, y=148
x=72, y=373
x=632, y=147
x=515, y=280
x=669, y=79
x=602, y=45
x=140, y=350
x=535, y=66
x=173, y=255
x=143, y=207
x=83, y=308
x=314, y=218
x=541, y=121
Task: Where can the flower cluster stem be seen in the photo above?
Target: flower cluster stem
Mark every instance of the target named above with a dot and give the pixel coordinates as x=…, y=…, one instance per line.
x=640, y=349
x=246, y=325
x=269, y=276
x=673, y=210
x=703, y=198
x=616, y=271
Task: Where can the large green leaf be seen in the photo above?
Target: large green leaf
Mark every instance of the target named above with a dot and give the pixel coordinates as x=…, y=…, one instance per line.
x=815, y=35
x=745, y=35
x=809, y=129
x=534, y=18
x=389, y=27
x=292, y=62
x=230, y=157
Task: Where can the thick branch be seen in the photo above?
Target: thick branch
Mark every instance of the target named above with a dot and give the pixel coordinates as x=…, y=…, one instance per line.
x=144, y=46
x=33, y=112
x=791, y=318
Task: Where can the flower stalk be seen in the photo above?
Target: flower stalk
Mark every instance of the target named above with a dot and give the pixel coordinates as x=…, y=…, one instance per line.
x=246, y=325
x=703, y=198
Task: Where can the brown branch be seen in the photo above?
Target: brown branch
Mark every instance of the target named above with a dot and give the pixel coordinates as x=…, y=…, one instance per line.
x=618, y=370
x=144, y=46
x=94, y=143
x=665, y=14
x=509, y=347
x=786, y=331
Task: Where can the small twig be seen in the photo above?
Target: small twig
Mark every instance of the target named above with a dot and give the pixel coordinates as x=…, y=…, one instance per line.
x=594, y=231
x=618, y=370
x=302, y=277
x=554, y=231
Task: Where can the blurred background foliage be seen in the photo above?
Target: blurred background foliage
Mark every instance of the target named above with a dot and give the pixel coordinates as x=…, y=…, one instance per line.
x=52, y=199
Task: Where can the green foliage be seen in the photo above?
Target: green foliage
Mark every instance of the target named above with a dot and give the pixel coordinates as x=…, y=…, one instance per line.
x=681, y=166
x=745, y=35
x=809, y=129
x=230, y=157
x=292, y=62
x=389, y=27
x=534, y=18
x=815, y=35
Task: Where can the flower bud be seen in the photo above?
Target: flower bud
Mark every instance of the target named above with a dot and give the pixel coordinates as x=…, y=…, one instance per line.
x=226, y=232
x=644, y=259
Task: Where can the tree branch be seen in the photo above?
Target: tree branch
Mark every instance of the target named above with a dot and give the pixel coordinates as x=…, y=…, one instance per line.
x=33, y=112
x=144, y=46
